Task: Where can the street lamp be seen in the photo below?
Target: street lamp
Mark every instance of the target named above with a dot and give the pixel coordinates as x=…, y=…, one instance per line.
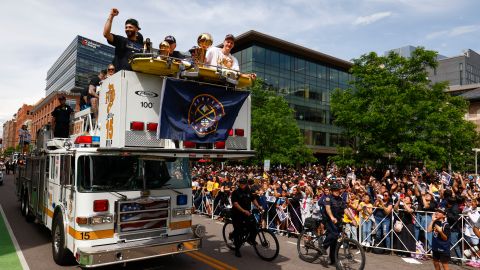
x=476, y=164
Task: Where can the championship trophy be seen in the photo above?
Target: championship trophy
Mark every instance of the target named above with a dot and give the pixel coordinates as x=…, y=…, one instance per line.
x=204, y=42
x=164, y=49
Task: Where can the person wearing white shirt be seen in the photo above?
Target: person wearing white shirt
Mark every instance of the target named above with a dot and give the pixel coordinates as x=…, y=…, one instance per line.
x=222, y=57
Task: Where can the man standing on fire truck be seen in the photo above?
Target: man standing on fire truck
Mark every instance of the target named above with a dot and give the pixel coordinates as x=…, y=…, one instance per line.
x=124, y=47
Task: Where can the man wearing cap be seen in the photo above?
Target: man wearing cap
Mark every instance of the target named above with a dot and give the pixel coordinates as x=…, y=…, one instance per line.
x=173, y=44
x=61, y=119
x=441, y=239
x=124, y=47
x=242, y=200
x=335, y=209
x=221, y=56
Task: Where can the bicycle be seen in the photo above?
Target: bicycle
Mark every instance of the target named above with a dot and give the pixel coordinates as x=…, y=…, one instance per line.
x=349, y=253
x=266, y=243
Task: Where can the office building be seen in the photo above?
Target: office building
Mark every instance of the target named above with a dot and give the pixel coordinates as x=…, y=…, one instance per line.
x=82, y=59
x=305, y=77
x=462, y=69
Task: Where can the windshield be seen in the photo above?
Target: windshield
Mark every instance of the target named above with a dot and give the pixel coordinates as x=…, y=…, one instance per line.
x=117, y=173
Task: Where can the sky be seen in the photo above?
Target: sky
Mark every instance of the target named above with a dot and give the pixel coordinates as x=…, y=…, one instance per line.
x=35, y=33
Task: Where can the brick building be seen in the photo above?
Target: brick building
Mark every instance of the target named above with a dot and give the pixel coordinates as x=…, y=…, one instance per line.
x=9, y=133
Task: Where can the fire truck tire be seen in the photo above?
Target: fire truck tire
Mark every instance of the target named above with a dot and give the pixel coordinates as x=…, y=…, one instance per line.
x=61, y=255
x=28, y=215
x=22, y=203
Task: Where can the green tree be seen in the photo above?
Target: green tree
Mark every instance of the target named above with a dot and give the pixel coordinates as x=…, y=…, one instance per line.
x=393, y=110
x=9, y=151
x=275, y=133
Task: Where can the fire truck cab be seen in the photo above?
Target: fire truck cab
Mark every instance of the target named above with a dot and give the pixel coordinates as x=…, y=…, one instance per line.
x=113, y=192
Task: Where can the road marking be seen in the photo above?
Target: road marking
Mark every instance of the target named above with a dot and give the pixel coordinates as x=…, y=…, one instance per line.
x=210, y=261
x=218, y=222
x=21, y=258
x=290, y=242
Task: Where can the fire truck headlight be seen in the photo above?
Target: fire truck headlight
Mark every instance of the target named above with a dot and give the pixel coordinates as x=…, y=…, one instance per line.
x=100, y=220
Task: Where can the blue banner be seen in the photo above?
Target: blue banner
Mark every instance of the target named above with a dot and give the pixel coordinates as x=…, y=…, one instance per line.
x=191, y=111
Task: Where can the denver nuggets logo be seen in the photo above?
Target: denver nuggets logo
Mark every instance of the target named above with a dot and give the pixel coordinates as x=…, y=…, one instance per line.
x=204, y=113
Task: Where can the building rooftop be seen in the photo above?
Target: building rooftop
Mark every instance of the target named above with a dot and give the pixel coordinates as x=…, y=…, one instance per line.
x=253, y=36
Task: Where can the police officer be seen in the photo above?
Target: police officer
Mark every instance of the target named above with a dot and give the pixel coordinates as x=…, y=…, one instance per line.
x=61, y=119
x=242, y=199
x=335, y=208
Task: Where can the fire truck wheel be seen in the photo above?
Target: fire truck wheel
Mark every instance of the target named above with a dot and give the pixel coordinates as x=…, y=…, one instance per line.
x=23, y=204
x=61, y=254
x=28, y=215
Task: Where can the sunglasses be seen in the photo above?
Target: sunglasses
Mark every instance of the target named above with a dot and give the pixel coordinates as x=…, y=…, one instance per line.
x=111, y=69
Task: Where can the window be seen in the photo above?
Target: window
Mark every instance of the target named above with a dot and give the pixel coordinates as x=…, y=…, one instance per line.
x=110, y=173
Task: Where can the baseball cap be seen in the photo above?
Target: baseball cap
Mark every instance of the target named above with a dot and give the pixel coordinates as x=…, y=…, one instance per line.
x=170, y=39
x=133, y=22
x=230, y=36
x=441, y=210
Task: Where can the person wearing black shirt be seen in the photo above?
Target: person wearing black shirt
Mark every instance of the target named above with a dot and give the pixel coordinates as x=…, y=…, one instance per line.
x=92, y=91
x=124, y=47
x=242, y=199
x=441, y=239
x=173, y=44
x=61, y=119
x=335, y=209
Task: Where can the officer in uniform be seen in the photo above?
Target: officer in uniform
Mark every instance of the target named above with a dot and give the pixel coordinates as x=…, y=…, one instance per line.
x=242, y=199
x=335, y=208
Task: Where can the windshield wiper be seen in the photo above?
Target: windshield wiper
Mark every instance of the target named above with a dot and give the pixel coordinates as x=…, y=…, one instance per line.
x=176, y=191
x=123, y=196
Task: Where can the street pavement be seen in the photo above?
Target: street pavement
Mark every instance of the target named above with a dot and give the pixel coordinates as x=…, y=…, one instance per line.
x=34, y=242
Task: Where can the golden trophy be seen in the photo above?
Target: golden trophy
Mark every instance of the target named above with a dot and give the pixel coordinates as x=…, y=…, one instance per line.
x=164, y=50
x=204, y=42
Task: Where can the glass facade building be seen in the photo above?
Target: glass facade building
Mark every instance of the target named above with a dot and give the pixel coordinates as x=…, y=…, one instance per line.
x=305, y=77
x=82, y=59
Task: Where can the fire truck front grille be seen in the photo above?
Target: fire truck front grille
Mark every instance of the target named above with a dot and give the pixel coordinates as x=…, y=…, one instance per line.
x=141, y=218
x=236, y=143
x=143, y=139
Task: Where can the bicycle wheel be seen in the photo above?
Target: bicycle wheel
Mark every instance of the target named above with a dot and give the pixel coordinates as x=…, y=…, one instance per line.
x=267, y=246
x=307, y=246
x=228, y=234
x=349, y=254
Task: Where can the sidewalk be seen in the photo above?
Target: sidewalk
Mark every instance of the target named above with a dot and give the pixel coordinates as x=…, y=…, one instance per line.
x=8, y=255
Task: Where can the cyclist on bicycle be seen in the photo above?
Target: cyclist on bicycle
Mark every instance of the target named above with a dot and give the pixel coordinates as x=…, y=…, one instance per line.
x=242, y=199
x=335, y=209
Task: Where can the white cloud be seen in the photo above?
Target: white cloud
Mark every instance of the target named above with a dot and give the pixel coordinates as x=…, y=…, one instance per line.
x=455, y=31
x=366, y=20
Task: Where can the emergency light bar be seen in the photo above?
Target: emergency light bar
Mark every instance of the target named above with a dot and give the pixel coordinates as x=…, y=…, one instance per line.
x=87, y=140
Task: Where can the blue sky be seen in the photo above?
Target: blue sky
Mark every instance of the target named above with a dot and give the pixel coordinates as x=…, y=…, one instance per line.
x=35, y=33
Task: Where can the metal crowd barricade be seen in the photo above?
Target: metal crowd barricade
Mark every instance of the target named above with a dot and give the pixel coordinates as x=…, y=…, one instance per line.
x=204, y=207
x=283, y=217
x=457, y=249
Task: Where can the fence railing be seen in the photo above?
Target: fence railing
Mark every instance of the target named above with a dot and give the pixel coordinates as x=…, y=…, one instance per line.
x=372, y=231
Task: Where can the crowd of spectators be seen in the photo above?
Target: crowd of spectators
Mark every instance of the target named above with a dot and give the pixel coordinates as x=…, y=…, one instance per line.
x=392, y=209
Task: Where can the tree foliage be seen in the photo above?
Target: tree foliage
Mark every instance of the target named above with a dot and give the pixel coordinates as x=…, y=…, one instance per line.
x=275, y=133
x=393, y=110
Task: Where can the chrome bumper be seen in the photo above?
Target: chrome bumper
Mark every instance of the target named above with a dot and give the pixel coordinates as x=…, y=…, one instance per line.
x=136, y=250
